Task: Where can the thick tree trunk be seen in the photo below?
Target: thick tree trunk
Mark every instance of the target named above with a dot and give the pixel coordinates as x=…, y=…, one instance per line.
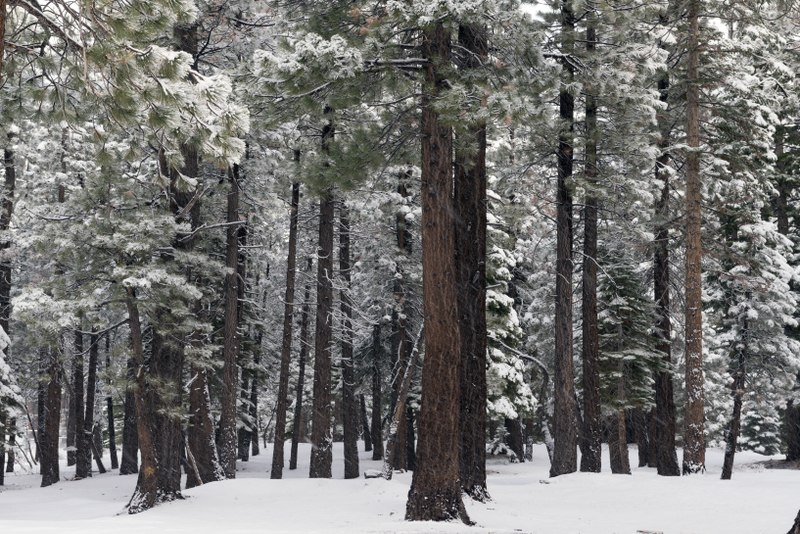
x=130, y=435
x=377, y=401
x=349, y=404
x=694, y=447
x=666, y=456
x=470, y=238
x=321, y=431
x=617, y=444
x=48, y=440
x=286, y=343
x=514, y=438
x=435, y=492
x=564, y=423
x=297, y=423
x=146, y=494
x=200, y=432
x=592, y=432
x=365, y=432
x=230, y=389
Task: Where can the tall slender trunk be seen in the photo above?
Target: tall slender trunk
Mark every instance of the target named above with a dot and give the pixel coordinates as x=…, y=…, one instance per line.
x=83, y=458
x=377, y=401
x=48, y=440
x=592, y=432
x=297, y=422
x=254, y=397
x=286, y=343
x=565, y=437
x=3, y=432
x=230, y=389
x=399, y=416
x=435, y=492
x=365, y=432
x=737, y=392
x=146, y=494
x=244, y=430
x=112, y=431
x=617, y=435
x=130, y=436
x=349, y=404
x=470, y=239
x=694, y=447
x=91, y=395
x=321, y=438
x=12, y=442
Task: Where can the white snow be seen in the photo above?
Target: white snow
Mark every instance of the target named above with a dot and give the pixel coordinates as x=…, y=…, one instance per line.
x=756, y=501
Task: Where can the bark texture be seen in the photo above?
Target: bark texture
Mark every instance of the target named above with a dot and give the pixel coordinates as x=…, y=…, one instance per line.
x=592, y=431
x=130, y=436
x=435, y=493
x=470, y=230
x=565, y=433
x=286, y=342
x=694, y=447
x=48, y=439
x=376, y=428
x=230, y=351
x=349, y=404
x=297, y=423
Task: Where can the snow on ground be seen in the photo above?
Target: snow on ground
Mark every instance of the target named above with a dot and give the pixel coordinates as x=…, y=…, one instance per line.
x=756, y=501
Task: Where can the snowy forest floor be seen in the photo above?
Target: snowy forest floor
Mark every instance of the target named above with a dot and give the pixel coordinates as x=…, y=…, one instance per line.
x=756, y=501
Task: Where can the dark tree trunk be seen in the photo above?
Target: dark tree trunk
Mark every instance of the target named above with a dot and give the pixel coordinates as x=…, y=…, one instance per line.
x=286, y=343
x=349, y=404
x=130, y=436
x=12, y=442
x=564, y=424
x=297, y=423
x=377, y=401
x=146, y=494
x=166, y=366
x=112, y=431
x=41, y=392
x=435, y=492
x=48, y=439
x=254, y=398
x=243, y=432
x=664, y=418
x=592, y=432
x=321, y=432
x=365, y=432
x=88, y=421
x=399, y=417
x=6, y=210
x=618, y=445
x=97, y=446
x=642, y=436
x=470, y=239
x=737, y=392
x=3, y=432
x=228, y=442
x=83, y=461
x=200, y=434
x=514, y=438
x=796, y=527
x=694, y=447
x=321, y=438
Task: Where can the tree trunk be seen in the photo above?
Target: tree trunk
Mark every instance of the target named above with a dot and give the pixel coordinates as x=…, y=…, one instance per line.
x=399, y=417
x=286, y=343
x=297, y=423
x=365, y=432
x=694, y=447
x=254, y=397
x=146, y=494
x=112, y=431
x=83, y=461
x=377, y=434
x=349, y=404
x=514, y=438
x=470, y=239
x=130, y=436
x=3, y=432
x=6, y=210
x=435, y=493
x=564, y=424
x=666, y=456
x=230, y=389
x=48, y=440
x=97, y=446
x=617, y=444
x=12, y=442
x=200, y=432
x=91, y=395
x=796, y=527
x=321, y=432
x=737, y=392
x=591, y=435
x=642, y=435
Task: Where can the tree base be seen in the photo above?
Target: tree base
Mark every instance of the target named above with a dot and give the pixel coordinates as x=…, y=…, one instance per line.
x=438, y=506
x=142, y=501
